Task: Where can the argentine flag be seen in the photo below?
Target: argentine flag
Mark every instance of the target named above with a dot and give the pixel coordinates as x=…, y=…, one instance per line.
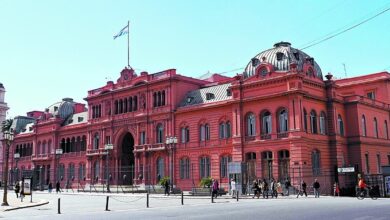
x=124, y=31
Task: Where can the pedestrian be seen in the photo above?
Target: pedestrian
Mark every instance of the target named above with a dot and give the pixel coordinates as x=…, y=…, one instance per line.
x=303, y=189
x=233, y=187
x=58, y=187
x=273, y=189
x=50, y=187
x=265, y=189
x=17, y=189
x=287, y=185
x=316, y=187
x=336, y=189
x=215, y=188
x=166, y=186
x=279, y=189
x=256, y=189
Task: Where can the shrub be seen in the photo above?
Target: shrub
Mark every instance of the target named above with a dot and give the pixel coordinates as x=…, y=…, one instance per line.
x=205, y=182
x=164, y=180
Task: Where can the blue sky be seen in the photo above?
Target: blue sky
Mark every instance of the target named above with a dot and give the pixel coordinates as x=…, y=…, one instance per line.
x=55, y=49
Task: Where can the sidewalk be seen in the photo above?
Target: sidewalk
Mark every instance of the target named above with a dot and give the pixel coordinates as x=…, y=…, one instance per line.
x=15, y=203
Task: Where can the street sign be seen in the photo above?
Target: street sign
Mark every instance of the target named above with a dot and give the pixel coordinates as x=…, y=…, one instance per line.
x=27, y=186
x=108, y=147
x=58, y=151
x=346, y=169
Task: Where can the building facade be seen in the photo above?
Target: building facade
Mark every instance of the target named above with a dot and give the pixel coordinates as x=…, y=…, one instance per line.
x=279, y=117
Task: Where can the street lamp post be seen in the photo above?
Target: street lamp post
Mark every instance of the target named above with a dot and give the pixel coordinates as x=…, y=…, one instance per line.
x=108, y=147
x=8, y=138
x=16, y=157
x=171, y=143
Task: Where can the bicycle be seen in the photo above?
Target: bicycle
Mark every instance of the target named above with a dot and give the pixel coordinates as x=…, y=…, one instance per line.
x=361, y=194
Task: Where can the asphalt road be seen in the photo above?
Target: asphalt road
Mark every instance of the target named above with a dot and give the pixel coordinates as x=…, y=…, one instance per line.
x=134, y=207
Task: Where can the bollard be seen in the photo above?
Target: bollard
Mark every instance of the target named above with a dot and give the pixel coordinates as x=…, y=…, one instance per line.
x=59, y=205
x=107, y=199
x=182, y=198
x=212, y=198
x=147, y=200
x=237, y=195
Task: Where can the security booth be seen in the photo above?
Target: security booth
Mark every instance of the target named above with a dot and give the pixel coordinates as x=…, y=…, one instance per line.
x=386, y=180
x=346, y=178
x=238, y=172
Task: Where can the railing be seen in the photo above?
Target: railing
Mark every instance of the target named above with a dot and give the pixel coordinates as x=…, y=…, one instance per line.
x=265, y=136
x=282, y=135
x=250, y=138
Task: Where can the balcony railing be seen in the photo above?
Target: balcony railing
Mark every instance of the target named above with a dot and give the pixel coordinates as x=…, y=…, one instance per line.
x=265, y=136
x=282, y=135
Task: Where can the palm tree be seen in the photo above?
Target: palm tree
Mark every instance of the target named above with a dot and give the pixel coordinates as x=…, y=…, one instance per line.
x=6, y=128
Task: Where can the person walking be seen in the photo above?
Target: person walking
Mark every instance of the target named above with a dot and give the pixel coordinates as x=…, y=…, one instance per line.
x=17, y=189
x=233, y=187
x=316, y=187
x=273, y=189
x=215, y=188
x=50, y=187
x=58, y=187
x=256, y=189
x=287, y=185
x=265, y=189
x=303, y=189
x=336, y=189
x=166, y=186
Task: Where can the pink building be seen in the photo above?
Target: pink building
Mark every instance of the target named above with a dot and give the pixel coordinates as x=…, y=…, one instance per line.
x=279, y=117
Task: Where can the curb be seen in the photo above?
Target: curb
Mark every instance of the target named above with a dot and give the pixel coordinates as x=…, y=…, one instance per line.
x=28, y=206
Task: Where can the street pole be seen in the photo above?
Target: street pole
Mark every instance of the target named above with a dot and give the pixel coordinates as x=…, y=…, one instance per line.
x=8, y=140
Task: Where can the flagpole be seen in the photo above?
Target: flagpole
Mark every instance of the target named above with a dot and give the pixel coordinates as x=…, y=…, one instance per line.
x=128, y=43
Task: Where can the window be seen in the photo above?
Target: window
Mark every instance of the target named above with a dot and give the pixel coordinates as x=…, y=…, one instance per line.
x=80, y=119
x=204, y=132
x=267, y=164
x=266, y=123
x=376, y=128
x=378, y=163
x=386, y=130
x=279, y=56
x=71, y=171
x=207, y=129
x=263, y=72
x=251, y=125
x=210, y=96
x=371, y=95
x=296, y=55
x=364, y=131
x=221, y=130
x=313, y=122
x=160, y=167
x=228, y=92
x=158, y=98
x=283, y=126
x=60, y=171
x=228, y=129
x=142, y=137
x=96, y=141
x=322, y=123
x=224, y=165
x=340, y=125
x=315, y=162
x=96, y=170
x=81, y=171
x=204, y=167
x=159, y=133
x=107, y=140
x=367, y=164
x=305, y=119
x=284, y=161
x=185, y=135
x=184, y=168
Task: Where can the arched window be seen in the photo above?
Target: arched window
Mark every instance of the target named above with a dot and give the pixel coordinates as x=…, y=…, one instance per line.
x=266, y=123
x=204, y=132
x=120, y=106
x=96, y=169
x=376, y=128
x=221, y=130
x=315, y=162
x=267, y=164
x=70, y=171
x=340, y=125
x=284, y=162
x=67, y=147
x=207, y=130
x=160, y=167
x=81, y=171
x=96, y=141
x=154, y=99
x=39, y=148
x=125, y=109
x=283, y=121
x=184, y=168
x=83, y=143
x=322, y=123
x=73, y=145
x=130, y=104
x=251, y=125
x=63, y=145
x=386, y=131
x=364, y=131
x=185, y=135
x=135, y=105
x=43, y=149
x=60, y=171
x=313, y=122
x=49, y=147
x=159, y=98
x=223, y=164
x=305, y=119
x=159, y=133
x=204, y=167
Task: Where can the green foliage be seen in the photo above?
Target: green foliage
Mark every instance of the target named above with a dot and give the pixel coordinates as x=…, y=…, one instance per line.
x=205, y=182
x=164, y=180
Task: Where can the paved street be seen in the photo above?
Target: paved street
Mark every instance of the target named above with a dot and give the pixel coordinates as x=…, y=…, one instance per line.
x=86, y=206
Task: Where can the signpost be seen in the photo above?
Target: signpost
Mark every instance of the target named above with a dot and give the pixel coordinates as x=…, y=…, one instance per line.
x=346, y=169
x=27, y=186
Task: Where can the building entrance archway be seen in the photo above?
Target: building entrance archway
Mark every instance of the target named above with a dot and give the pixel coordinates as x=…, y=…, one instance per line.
x=127, y=159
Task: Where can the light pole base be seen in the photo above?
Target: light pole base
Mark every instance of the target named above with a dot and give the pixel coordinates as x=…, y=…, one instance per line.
x=4, y=204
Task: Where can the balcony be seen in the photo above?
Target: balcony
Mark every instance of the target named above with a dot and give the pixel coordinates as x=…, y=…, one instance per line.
x=250, y=138
x=92, y=152
x=282, y=135
x=41, y=157
x=265, y=136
